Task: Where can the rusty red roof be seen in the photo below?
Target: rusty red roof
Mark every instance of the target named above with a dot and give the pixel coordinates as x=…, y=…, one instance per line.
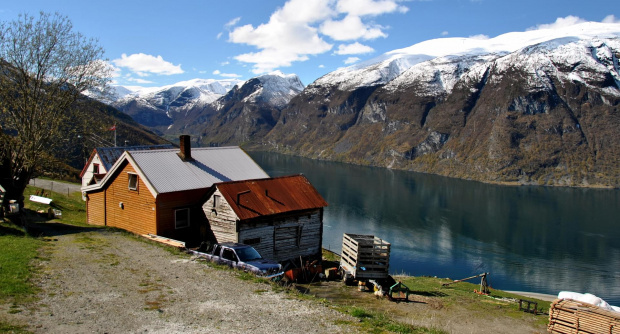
x=263, y=197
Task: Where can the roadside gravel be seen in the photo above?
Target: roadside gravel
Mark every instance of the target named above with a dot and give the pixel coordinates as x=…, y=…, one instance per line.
x=102, y=281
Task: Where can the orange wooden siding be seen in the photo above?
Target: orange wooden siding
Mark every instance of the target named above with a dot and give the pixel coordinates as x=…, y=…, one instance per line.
x=167, y=204
x=95, y=208
x=138, y=210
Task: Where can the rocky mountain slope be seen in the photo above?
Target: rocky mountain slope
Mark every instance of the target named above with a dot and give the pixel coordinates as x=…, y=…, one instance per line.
x=159, y=107
x=498, y=110
x=534, y=107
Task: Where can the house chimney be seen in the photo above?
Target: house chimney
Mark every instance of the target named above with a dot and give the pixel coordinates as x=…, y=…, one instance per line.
x=186, y=148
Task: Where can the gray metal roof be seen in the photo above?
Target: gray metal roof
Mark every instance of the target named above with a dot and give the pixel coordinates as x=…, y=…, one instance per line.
x=166, y=172
x=109, y=155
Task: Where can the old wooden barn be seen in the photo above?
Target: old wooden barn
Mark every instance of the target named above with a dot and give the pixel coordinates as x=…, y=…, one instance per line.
x=281, y=217
x=161, y=192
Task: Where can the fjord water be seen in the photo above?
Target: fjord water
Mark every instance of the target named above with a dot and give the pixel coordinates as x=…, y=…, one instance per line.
x=536, y=239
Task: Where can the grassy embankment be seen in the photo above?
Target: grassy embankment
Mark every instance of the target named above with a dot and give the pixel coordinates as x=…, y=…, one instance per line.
x=19, y=249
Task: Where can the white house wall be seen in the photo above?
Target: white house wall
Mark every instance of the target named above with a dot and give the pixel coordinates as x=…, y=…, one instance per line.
x=88, y=174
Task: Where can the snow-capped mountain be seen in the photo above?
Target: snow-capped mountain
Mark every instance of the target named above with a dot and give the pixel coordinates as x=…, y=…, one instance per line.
x=534, y=107
x=387, y=67
x=161, y=107
x=246, y=113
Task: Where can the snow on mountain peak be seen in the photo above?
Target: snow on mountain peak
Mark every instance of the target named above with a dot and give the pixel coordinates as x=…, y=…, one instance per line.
x=390, y=65
x=277, y=88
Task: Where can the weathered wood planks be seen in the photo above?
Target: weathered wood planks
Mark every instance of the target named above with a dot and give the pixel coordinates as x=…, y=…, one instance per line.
x=570, y=316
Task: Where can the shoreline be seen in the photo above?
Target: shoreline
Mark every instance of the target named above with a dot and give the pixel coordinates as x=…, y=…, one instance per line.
x=541, y=296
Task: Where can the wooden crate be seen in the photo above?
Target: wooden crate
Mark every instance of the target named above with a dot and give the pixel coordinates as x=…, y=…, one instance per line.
x=365, y=256
x=571, y=316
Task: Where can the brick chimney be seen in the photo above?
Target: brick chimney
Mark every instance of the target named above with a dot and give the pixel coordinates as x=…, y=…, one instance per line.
x=186, y=148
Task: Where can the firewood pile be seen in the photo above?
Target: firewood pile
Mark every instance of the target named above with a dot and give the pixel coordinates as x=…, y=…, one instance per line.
x=571, y=316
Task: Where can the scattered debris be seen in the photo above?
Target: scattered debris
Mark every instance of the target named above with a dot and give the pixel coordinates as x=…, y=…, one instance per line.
x=40, y=199
x=484, y=286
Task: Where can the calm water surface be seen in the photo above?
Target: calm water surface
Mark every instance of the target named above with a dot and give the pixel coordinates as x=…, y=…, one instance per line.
x=528, y=238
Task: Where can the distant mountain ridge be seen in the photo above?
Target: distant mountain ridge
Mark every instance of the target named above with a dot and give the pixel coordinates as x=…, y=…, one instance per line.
x=534, y=107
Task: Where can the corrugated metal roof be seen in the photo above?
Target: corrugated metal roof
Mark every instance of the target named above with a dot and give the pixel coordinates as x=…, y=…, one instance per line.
x=109, y=155
x=255, y=198
x=167, y=172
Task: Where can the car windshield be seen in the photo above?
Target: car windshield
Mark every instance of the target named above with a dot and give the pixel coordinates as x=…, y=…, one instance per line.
x=248, y=254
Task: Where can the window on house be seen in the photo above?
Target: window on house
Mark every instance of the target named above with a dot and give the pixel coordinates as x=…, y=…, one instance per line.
x=181, y=218
x=95, y=168
x=216, y=201
x=133, y=181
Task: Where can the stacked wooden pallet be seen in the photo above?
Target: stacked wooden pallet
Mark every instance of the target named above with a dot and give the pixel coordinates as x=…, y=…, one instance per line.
x=571, y=316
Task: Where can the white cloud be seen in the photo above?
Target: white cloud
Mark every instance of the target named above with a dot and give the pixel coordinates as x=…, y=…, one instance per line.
x=351, y=60
x=226, y=75
x=139, y=81
x=610, y=19
x=444, y=33
x=321, y=66
x=299, y=28
x=480, y=37
x=144, y=65
x=351, y=28
x=228, y=26
x=353, y=49
x=369, y=7
x=286, y=38
x=232, y=22
x=560, y=22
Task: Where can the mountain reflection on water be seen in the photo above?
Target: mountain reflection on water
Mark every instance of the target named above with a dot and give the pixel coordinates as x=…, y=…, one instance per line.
x=528, y=238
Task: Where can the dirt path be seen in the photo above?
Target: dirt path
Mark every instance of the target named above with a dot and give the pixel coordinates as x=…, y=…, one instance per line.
x=99, y=281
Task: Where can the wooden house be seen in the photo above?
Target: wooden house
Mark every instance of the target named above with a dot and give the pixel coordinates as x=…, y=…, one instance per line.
x=103, y=158
x=281, y=217
x=161, y=192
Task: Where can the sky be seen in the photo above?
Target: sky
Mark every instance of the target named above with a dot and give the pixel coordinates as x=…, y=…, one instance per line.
x=152, y=43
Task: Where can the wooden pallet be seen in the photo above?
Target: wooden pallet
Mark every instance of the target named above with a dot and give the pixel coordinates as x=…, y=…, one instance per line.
x=571, y=316
x=365, y=256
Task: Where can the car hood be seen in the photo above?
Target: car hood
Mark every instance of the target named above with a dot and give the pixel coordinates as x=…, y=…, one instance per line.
x=264, y=264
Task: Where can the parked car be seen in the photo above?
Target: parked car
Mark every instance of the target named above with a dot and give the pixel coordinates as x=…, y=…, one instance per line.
x=242, y=257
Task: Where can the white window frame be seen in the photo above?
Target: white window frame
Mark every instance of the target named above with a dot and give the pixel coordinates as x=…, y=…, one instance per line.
x=176, y=221
x=130, y=176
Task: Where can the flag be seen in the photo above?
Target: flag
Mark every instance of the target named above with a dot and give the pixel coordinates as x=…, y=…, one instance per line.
x=113, y=128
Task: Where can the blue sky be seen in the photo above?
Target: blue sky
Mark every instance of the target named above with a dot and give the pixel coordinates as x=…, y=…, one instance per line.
x=156, y=43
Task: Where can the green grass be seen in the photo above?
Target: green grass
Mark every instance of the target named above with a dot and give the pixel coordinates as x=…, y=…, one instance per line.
x=73, y=208
x=374, y=322
x=18, y=251
x=462, y=294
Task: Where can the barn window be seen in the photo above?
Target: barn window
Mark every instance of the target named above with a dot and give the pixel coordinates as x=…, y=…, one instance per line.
x=95, y=168
x=253, y=241
x=133, y=181
x=181, y=218
x=216, y=201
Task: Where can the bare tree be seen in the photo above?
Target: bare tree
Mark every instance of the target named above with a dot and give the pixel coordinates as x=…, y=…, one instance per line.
x=44, y=67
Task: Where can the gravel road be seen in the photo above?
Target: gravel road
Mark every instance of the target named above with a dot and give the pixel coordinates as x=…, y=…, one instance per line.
x=101, y=281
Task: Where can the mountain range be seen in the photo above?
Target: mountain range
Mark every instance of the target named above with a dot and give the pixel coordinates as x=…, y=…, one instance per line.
x=534, y=107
